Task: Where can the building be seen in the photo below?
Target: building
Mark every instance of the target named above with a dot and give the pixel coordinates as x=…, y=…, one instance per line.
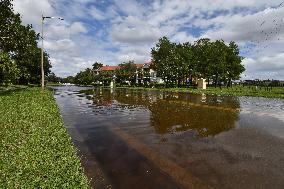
x=144, y=72
x=109, y=68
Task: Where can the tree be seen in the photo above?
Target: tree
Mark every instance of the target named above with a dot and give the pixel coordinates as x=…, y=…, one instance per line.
x=172, y=61
x=234, y=67
x=52, y=78
x=69, y=79
x=183, y=61
x=20, y=42
x=216, y=60
x=201, y=60
x=96, y=71
x=162, y=59
x=84, y=77
x=9, y=72
x=126, y=72
x=97, y=66
x=106, y=77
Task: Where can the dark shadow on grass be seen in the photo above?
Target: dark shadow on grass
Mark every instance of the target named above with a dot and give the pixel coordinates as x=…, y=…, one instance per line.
x=7, y=92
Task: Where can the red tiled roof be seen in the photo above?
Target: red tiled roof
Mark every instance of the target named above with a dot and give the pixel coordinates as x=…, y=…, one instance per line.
x=139, y=65
x=112, y=68
x=109, y=68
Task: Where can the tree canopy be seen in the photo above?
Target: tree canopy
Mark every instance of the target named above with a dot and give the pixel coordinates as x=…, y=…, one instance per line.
x=20, y=43
x=97, y=65
x=175, y=63
x=9, y=71
x=126, y=72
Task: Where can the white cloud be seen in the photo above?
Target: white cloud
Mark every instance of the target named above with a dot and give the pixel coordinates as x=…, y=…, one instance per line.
x=130, y=7
x=77, y=27
x=267, y=67
x=183, y=37
x=267, y=63
x=97, y=14
x=31, y=10
x=259, y=27
x=60, y=45
x=139, y=53
x=62, y=29
x=134, y=30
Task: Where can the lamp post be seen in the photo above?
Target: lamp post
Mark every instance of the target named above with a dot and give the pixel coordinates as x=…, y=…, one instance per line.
x=42, y=69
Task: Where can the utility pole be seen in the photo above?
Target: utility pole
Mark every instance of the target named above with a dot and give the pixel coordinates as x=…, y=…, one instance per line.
x=42, y=69
x=42, y=66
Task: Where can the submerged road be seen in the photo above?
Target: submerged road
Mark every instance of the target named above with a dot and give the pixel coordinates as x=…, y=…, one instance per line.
x=140, y=139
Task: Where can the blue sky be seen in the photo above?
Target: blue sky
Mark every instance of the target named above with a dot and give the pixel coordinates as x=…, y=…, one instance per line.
x=114, y=31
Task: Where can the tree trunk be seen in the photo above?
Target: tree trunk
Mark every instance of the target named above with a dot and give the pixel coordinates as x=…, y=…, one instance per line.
x=216, y=81
x=179, y=83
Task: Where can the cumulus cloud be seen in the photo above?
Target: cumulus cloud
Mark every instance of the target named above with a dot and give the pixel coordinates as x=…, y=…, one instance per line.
x=77, y=27
x=266, y=67
x=183, y=37
x=58, y=29
x=97, y=14
x=266, y=25
x=60, y=45
x=272, y=63
x=31, y=10
x=134, y=30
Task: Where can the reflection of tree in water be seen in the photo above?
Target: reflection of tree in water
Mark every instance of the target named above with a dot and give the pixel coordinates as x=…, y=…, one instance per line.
x=177, y=112
x=100, y=96
x=174, y=117
x=206, y=115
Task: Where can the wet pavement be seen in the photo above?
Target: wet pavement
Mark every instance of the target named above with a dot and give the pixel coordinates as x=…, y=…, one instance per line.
x=149, y=139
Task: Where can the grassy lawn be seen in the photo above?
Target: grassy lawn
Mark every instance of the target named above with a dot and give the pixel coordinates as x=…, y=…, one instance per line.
x=275, y=92
x=35, y=148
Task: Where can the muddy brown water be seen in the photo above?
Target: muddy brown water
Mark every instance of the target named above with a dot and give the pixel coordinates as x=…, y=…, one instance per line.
x=149, y=139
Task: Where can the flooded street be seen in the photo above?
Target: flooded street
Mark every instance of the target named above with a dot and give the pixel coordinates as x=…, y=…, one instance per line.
x=149, y=139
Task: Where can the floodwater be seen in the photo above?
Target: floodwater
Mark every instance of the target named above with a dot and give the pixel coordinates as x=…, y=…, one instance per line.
x=149, y=139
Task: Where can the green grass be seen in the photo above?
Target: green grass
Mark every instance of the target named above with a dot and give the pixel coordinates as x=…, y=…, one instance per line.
x=35, y=148
x=275, y=92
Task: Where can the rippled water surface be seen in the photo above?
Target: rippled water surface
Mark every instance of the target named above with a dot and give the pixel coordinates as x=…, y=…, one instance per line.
x=149, y=139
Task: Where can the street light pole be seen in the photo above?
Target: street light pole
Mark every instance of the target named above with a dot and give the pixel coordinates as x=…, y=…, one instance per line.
x=42, y=69
x=42, y=66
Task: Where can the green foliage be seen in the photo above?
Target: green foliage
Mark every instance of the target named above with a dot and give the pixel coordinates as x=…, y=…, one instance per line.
x=162, y=57
x=234, y=67
x=201, y=58
x=9, y=71
x=52, y=78
x=105, y=77
x=69, y=79
x=97, y=66
x=35, y=148
x=84, y=77
x=126, y=72
x=21, y=43
x=215, y=60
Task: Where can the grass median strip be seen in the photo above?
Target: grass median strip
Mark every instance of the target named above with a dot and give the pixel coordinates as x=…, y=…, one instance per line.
x=35, y=148
x=275, y=92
